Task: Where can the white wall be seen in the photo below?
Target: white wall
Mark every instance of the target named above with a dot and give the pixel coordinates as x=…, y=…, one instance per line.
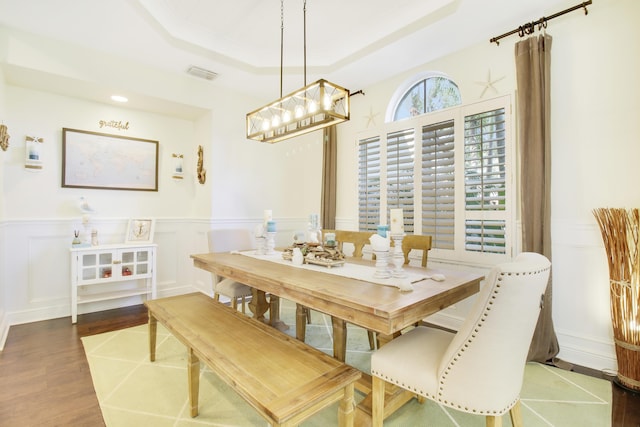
x=39, y=216
x=4, y=326
x=595, y=103
x=595, y=107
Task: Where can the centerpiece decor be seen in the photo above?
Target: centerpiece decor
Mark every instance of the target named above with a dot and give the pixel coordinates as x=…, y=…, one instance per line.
x=620, y=233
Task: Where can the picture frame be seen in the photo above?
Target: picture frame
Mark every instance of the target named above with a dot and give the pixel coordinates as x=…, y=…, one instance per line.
x=110, y=162
x=140, y=230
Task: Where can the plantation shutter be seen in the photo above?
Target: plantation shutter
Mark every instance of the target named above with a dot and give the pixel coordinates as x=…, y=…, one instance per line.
x=485, y=181
x=400, y=156
x=438, y=180
x=369, y=183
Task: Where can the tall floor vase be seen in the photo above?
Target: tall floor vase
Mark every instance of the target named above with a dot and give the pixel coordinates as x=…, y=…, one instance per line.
x=620, y=232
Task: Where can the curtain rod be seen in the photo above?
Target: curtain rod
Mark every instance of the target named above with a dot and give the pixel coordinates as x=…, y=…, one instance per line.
x=530, y=27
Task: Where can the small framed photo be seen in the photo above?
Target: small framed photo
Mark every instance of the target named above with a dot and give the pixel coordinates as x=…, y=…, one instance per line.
x=140, y=231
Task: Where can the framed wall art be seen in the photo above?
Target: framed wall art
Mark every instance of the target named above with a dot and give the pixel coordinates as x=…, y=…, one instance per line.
x=140, y=230
x=112, y=162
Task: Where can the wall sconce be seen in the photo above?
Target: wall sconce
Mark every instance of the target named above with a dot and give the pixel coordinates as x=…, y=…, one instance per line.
x=33, y=152
x=178, y=164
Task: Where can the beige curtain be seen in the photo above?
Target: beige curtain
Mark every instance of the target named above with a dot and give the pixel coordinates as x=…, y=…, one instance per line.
x=329, y=174
x=533, y=57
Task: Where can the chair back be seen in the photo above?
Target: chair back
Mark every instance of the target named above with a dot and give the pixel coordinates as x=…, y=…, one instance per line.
x=414, y=241
x=232, y=239
x=357, y=238
x=482, y=369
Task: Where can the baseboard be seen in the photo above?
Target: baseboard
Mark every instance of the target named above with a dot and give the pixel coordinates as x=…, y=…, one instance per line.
x=4, y=329
x=38, y=314
x=64, y=310
x=587, y=351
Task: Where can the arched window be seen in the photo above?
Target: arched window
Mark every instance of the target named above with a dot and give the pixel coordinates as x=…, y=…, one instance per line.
x=448, y=166
x=428, y=94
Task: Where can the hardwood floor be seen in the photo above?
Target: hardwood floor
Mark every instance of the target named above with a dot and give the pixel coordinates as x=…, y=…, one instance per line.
x=45, y=378
x=44, y=375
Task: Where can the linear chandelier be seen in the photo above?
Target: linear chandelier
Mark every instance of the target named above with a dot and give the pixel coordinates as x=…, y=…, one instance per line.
x=315, y=106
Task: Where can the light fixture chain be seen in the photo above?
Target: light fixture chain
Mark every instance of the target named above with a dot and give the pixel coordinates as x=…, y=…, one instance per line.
x=281, y=42
x=304, y=16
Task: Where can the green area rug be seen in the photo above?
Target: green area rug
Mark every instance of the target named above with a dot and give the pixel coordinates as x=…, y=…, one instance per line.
x=135, y=392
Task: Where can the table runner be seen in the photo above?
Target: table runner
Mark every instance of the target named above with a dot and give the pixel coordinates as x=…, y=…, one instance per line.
x=350, y=270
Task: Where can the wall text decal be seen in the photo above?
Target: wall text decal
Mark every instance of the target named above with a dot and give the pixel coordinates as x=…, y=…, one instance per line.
x=116, y=124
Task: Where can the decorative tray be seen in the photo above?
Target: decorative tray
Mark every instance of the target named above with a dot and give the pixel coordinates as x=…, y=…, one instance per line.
x=316, y=254
x=324, y=262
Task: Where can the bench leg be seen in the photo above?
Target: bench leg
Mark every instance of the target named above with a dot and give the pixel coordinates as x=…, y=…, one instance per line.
x=193, y=369
x=346, y=412
x=153, y=328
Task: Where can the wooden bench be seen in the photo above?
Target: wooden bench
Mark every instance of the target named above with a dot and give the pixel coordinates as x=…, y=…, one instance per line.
x=284, y=379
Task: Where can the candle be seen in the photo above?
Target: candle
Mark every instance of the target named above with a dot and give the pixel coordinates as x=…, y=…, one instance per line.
x=379, y=243
x=314, y=221
x=330, y=239
x=268, y=216
x=397, y=221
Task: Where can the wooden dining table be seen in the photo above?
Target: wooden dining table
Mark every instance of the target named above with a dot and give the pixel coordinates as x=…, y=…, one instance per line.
x=383, y=309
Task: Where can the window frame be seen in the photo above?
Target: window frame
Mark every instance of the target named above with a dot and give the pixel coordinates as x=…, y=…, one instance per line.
x=459, y=254
x=407, y=85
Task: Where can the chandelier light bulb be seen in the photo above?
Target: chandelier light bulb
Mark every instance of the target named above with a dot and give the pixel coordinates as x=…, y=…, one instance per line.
x=327, y=102
x=286, y=116
x=275, y=121
x=313, y=107
x=299, y=111
x=265, y=125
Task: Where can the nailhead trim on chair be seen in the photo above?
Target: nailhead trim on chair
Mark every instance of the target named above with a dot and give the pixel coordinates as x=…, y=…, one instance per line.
x=442, y=382
x=459, y=354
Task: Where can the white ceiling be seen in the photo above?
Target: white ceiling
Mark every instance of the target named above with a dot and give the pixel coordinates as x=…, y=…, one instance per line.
x=353, y=43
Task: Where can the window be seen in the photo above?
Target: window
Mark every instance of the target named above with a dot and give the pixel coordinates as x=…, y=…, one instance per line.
x=400, y=159
x=369, y=183
x=450, y=172
x=485, y=180
x=427, y=95
x=438, y=183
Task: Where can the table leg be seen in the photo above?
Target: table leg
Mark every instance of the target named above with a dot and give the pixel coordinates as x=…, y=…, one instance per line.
x=384, y=339
x=339, y=338
x=153, y=328
x=258, y=304
x=193, y=370
x=301, y=322
x=274, y=313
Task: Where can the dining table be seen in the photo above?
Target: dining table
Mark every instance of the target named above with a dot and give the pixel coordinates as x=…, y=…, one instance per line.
x=359, y=298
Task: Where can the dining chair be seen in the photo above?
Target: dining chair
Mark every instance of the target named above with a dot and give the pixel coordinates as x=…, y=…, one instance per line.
x=358, y=239
x=226, y=240
x=414, y=241
x=479, y=369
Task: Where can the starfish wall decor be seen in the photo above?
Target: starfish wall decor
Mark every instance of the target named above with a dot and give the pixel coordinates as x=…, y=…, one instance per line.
x=371, y=118
x=489, y=84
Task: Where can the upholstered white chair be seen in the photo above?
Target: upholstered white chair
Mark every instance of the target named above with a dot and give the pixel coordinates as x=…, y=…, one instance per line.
x=226, y=240
x=480, y=369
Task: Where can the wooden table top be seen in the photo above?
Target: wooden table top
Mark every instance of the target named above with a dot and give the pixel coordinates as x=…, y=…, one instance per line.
x=383, y=309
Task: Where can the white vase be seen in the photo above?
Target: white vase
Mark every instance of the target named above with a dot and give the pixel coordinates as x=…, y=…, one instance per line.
x=297, y=257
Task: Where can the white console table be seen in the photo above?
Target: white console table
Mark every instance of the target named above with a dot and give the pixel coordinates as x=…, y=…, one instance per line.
x=100, y=273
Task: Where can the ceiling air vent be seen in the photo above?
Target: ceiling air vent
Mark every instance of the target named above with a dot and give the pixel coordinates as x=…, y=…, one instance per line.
x=201, y=72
